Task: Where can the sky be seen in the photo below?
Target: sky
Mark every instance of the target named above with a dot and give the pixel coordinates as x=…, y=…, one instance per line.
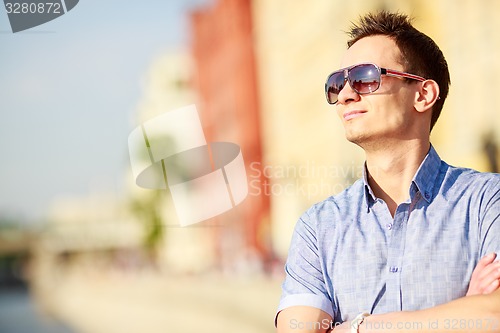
x=69, y=92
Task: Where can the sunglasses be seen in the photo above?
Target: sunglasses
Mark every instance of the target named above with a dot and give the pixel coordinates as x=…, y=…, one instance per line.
x=363, y=79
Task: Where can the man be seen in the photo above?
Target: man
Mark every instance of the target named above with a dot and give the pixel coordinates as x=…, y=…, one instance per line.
x=400, y=250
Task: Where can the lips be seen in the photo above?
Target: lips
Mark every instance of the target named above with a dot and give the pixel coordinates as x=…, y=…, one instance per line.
x=353, y=114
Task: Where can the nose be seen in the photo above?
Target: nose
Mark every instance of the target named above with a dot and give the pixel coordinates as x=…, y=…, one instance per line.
x=347, y=94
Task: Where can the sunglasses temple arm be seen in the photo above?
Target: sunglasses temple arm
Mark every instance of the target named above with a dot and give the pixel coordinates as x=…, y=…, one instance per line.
x=390, y=72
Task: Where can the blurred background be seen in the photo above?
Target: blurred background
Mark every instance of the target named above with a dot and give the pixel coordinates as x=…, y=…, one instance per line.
x=85, y=250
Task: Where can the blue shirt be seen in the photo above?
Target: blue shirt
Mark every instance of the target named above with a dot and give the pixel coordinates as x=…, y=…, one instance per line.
x=348, y=254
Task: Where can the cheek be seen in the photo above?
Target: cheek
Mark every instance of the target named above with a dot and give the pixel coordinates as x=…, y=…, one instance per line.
x=389, y=111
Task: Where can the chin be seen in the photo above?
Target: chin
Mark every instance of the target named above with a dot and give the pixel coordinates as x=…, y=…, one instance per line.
x=355, y=138
x=362, y=140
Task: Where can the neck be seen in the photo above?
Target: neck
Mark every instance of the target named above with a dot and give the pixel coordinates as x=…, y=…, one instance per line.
x=391, y=170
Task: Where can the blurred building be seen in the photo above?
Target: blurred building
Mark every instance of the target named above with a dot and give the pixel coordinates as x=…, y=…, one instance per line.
x=98, y=222
x=467, y=32
x=93, y=235
x=227, y=83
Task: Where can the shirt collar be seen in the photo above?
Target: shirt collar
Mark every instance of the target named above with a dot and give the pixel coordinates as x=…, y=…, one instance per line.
x=369, y=196
x=425, y=178
x=422, y=182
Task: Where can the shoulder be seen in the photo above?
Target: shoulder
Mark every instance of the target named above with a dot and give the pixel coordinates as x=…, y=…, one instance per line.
x=336, y=207
x=470, y=180
x=467, y=188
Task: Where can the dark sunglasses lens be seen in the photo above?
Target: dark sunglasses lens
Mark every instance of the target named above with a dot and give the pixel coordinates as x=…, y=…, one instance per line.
x=364, y=79
x=333, y=86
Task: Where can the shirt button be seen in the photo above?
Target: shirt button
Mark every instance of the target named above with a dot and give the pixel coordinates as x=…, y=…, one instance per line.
x=393, y=269
x=427, y=195
x=389, y=226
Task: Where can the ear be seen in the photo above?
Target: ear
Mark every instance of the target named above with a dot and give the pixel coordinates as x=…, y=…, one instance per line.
x=426, y=96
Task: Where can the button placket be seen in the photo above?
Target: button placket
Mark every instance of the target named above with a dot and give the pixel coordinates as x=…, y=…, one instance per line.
x=395, y=255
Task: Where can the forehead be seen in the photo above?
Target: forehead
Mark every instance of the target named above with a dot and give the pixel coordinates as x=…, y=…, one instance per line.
x=380, y=50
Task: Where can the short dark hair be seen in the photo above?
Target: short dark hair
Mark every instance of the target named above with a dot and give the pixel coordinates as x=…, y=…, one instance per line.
x=420, y=55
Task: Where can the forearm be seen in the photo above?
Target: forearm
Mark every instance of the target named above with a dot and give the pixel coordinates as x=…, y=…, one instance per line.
x=479, y=313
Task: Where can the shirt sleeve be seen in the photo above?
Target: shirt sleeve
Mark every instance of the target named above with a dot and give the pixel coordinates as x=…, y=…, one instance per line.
x=304, y=283
x=489, y=223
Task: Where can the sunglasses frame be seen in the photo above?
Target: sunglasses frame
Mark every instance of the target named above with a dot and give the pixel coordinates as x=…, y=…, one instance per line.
x=381, y=71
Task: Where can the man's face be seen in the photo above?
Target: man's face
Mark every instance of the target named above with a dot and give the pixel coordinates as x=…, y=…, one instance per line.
x=386, y=114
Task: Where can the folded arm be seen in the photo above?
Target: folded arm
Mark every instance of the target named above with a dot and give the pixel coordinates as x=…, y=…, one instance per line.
x=479, y=311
